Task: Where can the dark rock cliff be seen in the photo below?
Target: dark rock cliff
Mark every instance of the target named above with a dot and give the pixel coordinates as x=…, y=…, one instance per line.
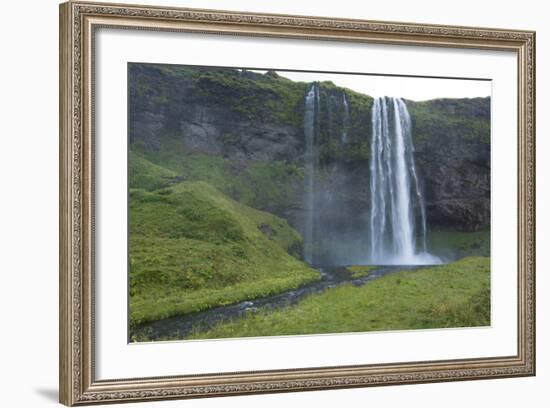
x=453, y=156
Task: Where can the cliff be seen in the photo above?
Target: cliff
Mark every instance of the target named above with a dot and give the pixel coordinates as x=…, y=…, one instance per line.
x=453, y=155
x=242, y=132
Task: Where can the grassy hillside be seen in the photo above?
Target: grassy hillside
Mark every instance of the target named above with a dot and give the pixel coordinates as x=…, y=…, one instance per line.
x=452, y=295
x=192, y=247
x=271, y=186
x=146, y=175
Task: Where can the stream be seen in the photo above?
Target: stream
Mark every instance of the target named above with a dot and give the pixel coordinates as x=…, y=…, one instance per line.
x=182, y=326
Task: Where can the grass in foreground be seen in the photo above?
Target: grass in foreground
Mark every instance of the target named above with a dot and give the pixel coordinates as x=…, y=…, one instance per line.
x=452, y=295
x=192, y=248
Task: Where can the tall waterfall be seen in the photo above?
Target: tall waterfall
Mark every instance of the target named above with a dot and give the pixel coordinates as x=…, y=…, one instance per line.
x=311, y=105
x=397, y=209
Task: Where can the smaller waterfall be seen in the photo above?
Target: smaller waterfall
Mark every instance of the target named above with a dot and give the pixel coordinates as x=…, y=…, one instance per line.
x=311, y=104
x=395, y=189
x=345, y=118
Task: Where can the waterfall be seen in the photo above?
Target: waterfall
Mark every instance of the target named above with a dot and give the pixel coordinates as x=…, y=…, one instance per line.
x=345, y=118
x=406, y=124
x=333, y=229
x=311, y=104
x=396, y=201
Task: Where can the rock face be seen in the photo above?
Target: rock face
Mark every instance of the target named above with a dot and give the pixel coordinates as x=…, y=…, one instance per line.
x=250, y=118
x=214, y=131
x=213, y=112
x=452, y=143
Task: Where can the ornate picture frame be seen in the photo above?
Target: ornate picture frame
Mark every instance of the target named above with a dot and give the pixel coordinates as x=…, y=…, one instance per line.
x=79, y=22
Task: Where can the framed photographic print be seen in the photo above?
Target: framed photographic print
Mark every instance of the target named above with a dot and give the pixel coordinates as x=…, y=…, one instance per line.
x=262, y=203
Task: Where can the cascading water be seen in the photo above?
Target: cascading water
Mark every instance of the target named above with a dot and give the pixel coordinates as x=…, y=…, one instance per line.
x=406, y=124
x=311, y=103
x=395, y=190
x=345, y=118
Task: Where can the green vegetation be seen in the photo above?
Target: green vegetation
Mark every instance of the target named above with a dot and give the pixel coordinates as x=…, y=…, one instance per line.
x=149, y=176
x=456, y=119
x=251, y=95
x=271, y=185
x=192, y=248
x=175, y=158
x=455, y=244
x=453, y=295
x=358, y=271
x=267, y=185
x=255, y=97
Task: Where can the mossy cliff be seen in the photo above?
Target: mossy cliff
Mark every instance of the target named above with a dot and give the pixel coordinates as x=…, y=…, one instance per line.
x=242, y=132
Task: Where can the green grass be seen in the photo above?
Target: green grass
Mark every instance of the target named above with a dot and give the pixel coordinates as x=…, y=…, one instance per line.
x=455, y=244
x=147, y=175
x=453, y=295
x=192, y=248
x=358, y=271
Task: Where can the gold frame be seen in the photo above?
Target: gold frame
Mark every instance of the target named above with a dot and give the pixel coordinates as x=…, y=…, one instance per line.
x=78, y=21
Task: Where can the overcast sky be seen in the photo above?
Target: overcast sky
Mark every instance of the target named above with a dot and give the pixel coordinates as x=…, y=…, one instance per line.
x=417, y=89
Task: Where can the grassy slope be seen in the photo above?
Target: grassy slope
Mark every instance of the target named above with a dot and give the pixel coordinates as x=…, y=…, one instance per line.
x=146, y=175
x=191, y=248
x=453, y=295
x=267, y=185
